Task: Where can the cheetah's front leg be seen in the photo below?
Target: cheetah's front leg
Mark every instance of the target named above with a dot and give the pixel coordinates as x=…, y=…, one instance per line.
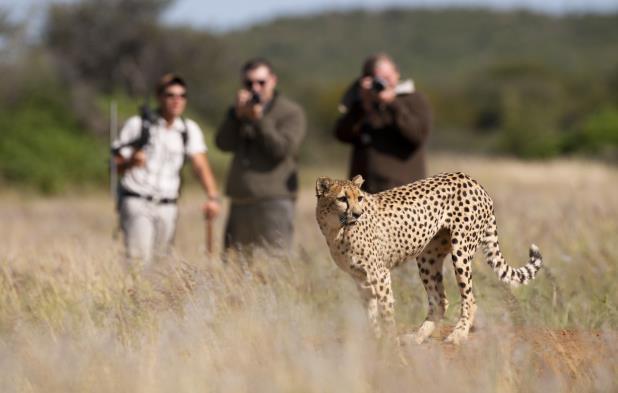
x=370, y=300
x=376, y=291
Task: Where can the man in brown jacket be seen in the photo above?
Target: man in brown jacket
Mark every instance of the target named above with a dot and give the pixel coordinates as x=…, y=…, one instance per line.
x=387, y=122
x=264, y=131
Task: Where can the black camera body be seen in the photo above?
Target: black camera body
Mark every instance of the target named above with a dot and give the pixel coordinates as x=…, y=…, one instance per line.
x=255, y=98
x=378, y=84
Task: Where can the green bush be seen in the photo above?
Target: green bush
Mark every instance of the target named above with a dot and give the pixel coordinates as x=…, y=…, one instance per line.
x=600, y=130
x=42, y=146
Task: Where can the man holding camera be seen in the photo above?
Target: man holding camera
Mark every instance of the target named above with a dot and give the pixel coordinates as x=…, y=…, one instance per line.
x=264, y=131
x=387, y=122
x=149, y=154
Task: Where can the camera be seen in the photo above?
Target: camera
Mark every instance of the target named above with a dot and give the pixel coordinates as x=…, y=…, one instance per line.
x=378, y=84
x=255, y=98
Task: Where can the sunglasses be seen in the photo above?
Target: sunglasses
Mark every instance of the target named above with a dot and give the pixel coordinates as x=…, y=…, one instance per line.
x=249, y=83
x=172, y=95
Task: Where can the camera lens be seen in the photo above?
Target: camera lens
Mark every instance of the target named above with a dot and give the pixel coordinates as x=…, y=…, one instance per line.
x=378, y=84
x=255, y=97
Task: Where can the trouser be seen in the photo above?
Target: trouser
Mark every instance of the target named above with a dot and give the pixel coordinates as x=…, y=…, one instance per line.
x=266, y=223
x=148, y=228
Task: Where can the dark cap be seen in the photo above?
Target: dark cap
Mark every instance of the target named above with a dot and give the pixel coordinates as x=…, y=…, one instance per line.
x=169, y=80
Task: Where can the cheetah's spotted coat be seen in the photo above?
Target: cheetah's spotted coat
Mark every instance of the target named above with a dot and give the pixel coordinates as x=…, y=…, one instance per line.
x=368, y=235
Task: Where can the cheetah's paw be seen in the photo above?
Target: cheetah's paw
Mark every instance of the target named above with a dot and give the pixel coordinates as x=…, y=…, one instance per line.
x=456, y=337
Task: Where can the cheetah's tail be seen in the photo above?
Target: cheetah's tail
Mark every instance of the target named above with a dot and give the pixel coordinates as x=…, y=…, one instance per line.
x=507, y=273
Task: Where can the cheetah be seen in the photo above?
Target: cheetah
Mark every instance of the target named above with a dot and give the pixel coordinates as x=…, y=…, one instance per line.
x=370, y=234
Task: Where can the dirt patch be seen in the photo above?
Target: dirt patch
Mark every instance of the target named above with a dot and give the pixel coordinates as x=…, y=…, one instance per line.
x=575, y=356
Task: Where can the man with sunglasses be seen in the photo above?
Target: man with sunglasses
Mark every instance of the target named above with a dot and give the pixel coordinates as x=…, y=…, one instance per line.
x=387, y=122
x=264, y=131
x=150, y=183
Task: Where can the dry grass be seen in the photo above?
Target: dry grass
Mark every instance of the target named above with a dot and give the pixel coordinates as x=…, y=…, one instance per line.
x=74, y=319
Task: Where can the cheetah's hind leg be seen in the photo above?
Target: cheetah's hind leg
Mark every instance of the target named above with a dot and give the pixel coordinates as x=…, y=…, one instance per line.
x=430, y=263
x=462, y=261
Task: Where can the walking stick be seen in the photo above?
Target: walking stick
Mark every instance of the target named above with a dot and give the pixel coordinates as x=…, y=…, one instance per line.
x=208, y=235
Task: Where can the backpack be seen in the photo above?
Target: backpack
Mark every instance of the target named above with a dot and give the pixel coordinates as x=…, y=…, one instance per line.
x=148, y=118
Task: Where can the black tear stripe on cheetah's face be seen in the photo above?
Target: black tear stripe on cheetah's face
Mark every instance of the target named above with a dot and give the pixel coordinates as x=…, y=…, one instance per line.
x=370, y=234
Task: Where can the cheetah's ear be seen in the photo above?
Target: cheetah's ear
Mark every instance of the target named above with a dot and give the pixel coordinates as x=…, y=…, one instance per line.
x=358, y=180
x=322, y=185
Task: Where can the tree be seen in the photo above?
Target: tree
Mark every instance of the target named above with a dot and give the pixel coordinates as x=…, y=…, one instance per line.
x=121, y=46
x=108, y=44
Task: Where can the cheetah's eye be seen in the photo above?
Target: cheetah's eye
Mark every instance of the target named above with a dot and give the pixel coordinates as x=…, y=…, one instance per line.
x=342, y=199
x=360, y=198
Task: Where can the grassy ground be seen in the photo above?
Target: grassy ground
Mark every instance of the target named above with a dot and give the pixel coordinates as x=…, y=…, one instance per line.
x=74, y=319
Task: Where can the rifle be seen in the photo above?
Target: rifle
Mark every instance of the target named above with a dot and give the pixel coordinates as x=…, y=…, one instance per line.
x=113, y=134
x=113, y=167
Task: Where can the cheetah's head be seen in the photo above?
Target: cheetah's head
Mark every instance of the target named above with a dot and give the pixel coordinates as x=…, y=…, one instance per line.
x=340, y=202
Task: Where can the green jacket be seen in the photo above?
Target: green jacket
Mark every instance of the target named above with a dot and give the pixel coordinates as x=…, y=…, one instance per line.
x=265, y=162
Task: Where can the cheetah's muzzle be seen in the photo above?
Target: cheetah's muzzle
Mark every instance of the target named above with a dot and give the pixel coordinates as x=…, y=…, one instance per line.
x=349, y=219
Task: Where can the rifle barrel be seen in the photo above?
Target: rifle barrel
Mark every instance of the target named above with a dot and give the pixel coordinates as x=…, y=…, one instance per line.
x=113, y=134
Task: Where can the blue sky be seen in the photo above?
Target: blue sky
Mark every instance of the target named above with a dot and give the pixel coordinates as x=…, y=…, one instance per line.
x=231, y=14
x=228, y=14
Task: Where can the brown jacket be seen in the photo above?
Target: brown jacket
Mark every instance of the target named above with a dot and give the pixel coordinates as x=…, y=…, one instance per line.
x=388, y=145
x=265, y=152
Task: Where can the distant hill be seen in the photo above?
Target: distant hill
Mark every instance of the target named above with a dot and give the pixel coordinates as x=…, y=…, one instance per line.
x=435, y=46
x=519, y=82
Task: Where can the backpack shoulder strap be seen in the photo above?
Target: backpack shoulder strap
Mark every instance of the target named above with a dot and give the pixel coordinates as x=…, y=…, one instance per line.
x=184, y=133
x=148, y=118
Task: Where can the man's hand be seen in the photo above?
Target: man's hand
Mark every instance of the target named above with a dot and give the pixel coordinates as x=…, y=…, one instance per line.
x=245, y=109
x=211, y=209
x=241, y=107
x=367, y=95
x=138, y=158
x=257, y=111
x=387, y=95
